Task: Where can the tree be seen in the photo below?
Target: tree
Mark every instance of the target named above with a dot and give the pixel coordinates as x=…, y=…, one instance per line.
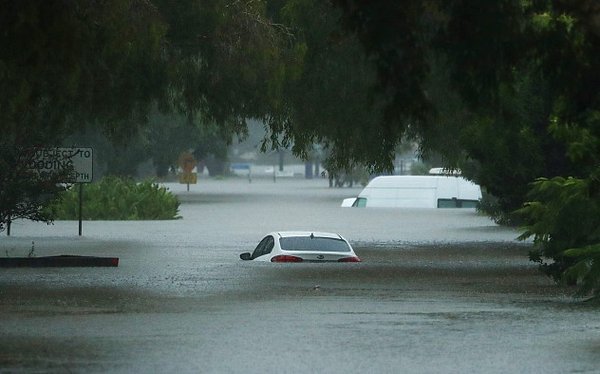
x=62, y=63
x=224, y=62
x=522, y=77
x=24, y=188
x=70, y=65
x=328, y=92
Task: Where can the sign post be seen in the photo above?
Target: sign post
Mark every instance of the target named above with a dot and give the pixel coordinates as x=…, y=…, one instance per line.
x=187, y=162
x=80, y=208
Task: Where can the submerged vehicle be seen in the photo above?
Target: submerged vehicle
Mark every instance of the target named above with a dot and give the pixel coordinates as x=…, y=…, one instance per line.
x=302, y=246
x=417, y=191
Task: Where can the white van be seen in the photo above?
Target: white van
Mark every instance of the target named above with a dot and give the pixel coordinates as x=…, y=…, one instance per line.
x=417, y=191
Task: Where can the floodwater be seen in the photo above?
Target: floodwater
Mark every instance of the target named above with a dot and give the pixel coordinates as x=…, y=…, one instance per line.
x=438, y=291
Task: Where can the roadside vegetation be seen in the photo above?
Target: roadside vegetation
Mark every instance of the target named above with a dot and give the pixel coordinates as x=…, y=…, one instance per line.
x=563, y=217
x=116, y=198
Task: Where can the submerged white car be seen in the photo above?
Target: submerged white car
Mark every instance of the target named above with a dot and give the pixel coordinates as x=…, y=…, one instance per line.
x=302, y=246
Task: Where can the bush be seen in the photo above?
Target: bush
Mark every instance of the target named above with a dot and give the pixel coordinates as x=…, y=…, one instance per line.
x=117, y=199
x=563, y=217
x=489, y=206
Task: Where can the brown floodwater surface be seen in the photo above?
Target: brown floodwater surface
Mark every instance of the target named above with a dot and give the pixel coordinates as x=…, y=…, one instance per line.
x=438, y=291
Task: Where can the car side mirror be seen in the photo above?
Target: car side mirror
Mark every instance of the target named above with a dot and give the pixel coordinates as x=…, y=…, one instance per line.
x=246, y=256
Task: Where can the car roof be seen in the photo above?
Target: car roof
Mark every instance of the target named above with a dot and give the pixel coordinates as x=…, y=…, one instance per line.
x=320, y=234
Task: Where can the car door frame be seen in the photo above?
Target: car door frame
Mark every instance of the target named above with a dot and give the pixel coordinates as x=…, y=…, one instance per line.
x=265, y=247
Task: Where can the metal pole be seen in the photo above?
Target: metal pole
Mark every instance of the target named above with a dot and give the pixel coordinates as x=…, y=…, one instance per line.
x=80, y=207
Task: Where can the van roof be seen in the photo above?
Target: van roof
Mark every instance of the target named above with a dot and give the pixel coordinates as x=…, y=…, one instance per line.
x=409, y=181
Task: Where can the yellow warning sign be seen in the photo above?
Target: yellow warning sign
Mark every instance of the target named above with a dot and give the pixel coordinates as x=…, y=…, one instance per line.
x=188, y=178
x=187, y=162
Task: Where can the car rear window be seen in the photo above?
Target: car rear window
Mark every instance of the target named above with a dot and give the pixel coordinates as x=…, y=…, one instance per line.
x=306, y=243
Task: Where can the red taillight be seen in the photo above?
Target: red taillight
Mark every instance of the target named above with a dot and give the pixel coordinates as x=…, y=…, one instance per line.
x=349, y=259
x=286, y=258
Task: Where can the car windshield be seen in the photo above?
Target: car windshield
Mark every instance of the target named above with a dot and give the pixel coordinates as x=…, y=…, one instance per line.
x=306, y=243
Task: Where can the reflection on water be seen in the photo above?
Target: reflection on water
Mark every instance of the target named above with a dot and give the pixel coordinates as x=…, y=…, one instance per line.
x=438, y=291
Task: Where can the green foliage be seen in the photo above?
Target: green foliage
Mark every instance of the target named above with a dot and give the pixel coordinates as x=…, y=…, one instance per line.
x=563, y=217
x=225, y=61
x=24, y=191
x=329, y=92
x=512, y=147
x=62, y=63
x=118, y=199
x=480, y=82
x=490, y=206
x=586, y=270
x=513, y=90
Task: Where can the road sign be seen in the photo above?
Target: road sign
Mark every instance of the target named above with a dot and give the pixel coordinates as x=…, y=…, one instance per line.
x=79, y=160
x=187, y=162
x=188, y=178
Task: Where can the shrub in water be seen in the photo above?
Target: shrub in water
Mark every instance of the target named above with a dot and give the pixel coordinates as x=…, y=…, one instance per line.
x=115, y=198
